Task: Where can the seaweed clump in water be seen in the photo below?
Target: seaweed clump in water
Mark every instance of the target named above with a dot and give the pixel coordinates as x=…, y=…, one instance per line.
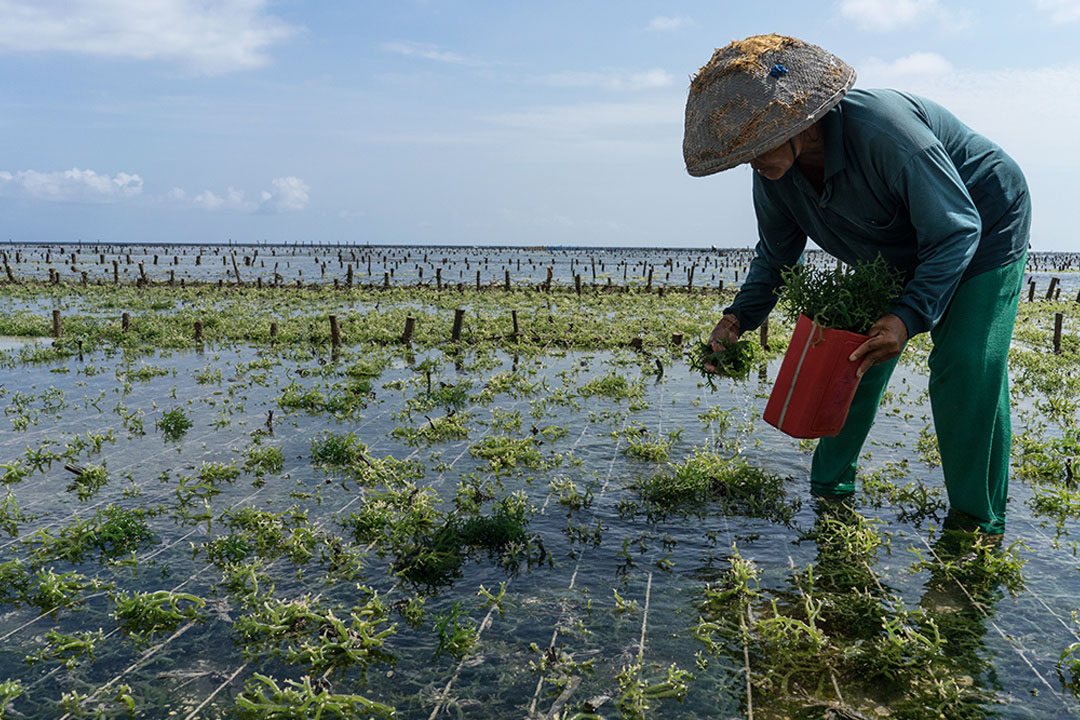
x=738, y=487
x=734, y=360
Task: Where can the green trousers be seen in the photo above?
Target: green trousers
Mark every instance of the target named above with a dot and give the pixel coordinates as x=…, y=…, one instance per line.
x=969, y=396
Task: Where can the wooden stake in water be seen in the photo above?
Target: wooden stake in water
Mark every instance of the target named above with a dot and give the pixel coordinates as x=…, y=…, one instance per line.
x=57, y=331
x=125, y=322
x=1059, y=318
x=1053, y=286
x=459, y=318
x=335, y=332
x=406, y=336
x=765, y=334
x=198, y=331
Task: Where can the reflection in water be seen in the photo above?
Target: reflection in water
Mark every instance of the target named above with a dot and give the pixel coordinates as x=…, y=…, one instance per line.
x=836, y=642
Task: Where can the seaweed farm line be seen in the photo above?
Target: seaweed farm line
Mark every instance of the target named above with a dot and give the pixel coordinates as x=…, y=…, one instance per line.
x=276, y=502
x=435, y=266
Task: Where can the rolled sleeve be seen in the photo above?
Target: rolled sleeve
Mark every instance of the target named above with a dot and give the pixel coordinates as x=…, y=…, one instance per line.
x=780, y=245
x=947, y=229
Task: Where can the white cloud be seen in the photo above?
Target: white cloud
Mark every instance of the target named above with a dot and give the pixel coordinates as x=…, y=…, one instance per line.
x=73, y=185
x=208, y=36
x=882, y=73
x=999, y=104
x=233, y=199
x=669, y=23
x=207, y=200
x=617, y=81
x=287, y=194
x=1060, y=11
x=888, y=15
x=427, y=51
x=290, y=194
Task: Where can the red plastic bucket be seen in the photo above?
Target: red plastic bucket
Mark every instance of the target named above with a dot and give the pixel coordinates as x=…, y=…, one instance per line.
x=813, y=391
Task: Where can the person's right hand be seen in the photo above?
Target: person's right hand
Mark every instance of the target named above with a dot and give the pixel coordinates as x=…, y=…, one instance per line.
x=725, y=333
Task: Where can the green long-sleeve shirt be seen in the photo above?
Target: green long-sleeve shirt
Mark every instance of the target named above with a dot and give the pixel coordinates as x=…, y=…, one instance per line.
x=904, y=179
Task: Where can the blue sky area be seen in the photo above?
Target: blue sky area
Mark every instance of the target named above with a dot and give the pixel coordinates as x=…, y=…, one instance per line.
x=471, y=123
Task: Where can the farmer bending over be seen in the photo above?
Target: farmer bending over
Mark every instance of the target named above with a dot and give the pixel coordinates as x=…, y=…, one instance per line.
x=867, y=173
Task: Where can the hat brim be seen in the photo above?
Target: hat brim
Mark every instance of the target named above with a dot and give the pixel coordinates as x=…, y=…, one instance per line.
x=744, y=154
x=756, y=94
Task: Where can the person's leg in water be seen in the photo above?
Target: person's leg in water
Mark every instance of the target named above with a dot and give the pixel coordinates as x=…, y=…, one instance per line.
x=832, y=472
x=969, y=394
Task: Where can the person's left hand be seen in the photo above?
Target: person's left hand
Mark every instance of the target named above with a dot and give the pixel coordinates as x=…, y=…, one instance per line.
x=887, y=339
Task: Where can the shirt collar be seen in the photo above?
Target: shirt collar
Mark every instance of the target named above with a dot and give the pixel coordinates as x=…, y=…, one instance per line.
x=832, y=125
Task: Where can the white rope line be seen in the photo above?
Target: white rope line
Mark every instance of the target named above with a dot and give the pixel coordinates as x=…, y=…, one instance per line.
x=232, y=445
x=117, y=629
x=487, y=618
x=148, y=653
x=194, y=713
x=1071, y=630
x=355, y=498
x=573, y=576
x=44, y=614
x=486, y=622
x=88, y=597
x=235, y=444
x=1007, y=638
x=644, y=617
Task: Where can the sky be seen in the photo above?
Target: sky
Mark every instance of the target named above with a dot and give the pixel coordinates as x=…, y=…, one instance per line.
x=466, y=123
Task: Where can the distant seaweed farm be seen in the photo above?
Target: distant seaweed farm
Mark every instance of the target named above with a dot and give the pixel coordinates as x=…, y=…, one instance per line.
x=351, y=482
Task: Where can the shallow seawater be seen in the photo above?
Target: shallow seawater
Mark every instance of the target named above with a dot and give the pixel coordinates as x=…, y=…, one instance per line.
x=611, y=587
x=10, y=342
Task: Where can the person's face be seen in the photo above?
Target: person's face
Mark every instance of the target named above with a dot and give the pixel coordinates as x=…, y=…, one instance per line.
x=774, y=163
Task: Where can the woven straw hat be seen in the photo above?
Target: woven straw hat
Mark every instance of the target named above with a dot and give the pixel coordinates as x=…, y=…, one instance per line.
x=753, y=95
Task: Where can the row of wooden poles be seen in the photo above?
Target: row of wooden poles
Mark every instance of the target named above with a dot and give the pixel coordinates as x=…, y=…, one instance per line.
x=579, y=284
x=397, y=256
x=144, y=280
x=1053, y=291
x=459, y=320
x=406, y=335
x=733, y=258
x=729, y=258
x=740, y=257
